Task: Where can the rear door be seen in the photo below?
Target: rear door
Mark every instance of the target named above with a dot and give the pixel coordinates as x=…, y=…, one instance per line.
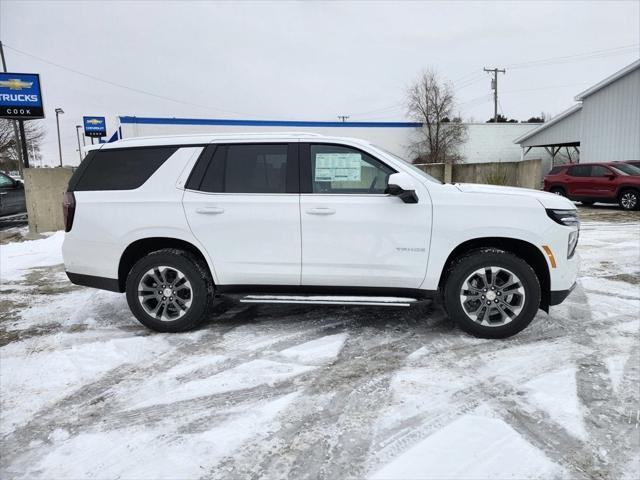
x=353, y=233
x=579, y=181
x=242, y=203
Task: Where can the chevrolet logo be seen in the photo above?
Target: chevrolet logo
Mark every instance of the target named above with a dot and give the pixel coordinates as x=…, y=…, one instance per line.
x=15, y=84
x=94, y=121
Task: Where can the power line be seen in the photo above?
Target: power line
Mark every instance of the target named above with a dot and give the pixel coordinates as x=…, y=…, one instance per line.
x=577, y=57
x=119, y=85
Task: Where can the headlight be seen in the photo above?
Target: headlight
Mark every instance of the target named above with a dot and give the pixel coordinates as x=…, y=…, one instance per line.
x=568, y=218
x=564, y=217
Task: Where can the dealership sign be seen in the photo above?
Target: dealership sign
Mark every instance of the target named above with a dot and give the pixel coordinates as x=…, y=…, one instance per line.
x=20, y=96
x=95, y=126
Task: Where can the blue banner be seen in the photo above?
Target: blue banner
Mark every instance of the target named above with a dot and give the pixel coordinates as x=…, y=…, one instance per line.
x=95, y=126
x=20, y=96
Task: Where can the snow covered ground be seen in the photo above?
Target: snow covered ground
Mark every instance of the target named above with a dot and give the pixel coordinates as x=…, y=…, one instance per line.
x=276, y=391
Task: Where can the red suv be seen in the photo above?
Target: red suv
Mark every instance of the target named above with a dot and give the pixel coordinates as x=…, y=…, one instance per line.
x=597, y=182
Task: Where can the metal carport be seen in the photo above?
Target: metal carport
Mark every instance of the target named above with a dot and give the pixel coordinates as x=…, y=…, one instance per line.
x=562, y=131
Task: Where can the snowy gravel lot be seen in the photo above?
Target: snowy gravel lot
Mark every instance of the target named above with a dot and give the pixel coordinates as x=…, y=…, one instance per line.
x=276, y=391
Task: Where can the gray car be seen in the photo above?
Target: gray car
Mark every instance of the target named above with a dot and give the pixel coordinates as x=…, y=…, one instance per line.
x=12, y=199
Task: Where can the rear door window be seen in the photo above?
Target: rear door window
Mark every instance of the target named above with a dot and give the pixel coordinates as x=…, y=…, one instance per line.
x=119, y=169
x=580, y=171
x=247, y=168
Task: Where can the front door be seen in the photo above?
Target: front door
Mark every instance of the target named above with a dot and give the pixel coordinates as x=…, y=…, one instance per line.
x=353, y=233
x=242, y=204
x=603, y=184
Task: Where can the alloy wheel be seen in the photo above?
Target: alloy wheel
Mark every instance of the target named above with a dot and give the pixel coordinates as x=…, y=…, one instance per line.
x=165, y=293
x=629, y=200
x=492, y=296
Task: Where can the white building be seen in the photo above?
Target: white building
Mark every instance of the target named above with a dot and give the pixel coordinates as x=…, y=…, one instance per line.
x=604, y=126
x=486, y=142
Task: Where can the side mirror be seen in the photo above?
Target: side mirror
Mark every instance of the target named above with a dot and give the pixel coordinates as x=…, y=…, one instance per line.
x=401, y=185
x=18, y=185
x=611, y=176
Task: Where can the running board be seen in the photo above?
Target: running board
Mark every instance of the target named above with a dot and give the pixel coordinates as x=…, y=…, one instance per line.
x=330, y=300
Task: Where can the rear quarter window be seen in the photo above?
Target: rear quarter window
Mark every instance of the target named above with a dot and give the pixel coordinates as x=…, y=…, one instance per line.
x=118, y=169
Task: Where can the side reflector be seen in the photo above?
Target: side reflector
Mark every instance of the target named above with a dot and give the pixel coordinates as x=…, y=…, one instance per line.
x=549, y=253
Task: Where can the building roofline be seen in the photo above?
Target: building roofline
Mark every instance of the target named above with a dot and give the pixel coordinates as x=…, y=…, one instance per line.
x=261, y=123
x=548, y=124
x=132, y=120
x=607, y=81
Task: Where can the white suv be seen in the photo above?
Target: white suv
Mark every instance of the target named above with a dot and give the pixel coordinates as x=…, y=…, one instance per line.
x=303, y=218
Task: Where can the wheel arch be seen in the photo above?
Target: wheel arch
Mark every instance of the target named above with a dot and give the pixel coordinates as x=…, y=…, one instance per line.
x=624, y=187
x=138, y=249
x=521, y=248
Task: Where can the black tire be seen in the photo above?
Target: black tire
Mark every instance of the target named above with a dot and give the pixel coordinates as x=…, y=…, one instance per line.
x=558, y=191
x=629, y=199
x=465, y=266
x=587, y=203
x=194, y=271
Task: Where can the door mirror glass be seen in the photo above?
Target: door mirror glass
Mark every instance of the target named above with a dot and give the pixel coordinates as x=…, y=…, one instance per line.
x=401, y=185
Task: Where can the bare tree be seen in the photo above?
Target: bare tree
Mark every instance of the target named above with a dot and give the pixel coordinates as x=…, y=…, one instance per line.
x=431, y=102
x=10, y=150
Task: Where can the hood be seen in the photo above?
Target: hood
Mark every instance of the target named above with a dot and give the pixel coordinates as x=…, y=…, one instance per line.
x=548, y=200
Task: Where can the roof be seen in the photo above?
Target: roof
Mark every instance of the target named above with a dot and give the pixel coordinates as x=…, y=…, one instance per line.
x=607, y=81
x=548, y=124
x=206, y=138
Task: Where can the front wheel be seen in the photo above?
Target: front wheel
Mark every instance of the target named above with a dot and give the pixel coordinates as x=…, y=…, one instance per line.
x=629, y=200
x=170, y=290
x=558, y=191
x=491, y=293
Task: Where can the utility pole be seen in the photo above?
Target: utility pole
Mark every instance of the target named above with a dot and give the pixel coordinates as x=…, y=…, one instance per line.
x=343, y=118
x=21, y=141
x=494, y=86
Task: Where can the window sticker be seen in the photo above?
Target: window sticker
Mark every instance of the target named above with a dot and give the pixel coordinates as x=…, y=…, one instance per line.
x=338, y=167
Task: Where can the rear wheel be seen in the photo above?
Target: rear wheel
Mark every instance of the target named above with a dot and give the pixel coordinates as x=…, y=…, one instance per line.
x=629, y=199
x=491, y=293
x=169, y=290
x=558, y=191
x=587, y=203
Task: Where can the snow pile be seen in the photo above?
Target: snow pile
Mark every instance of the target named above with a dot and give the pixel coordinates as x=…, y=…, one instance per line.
x=17, y=258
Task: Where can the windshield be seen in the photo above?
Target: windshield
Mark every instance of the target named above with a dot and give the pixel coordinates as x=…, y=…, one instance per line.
x=409, y=164
x=626, y=169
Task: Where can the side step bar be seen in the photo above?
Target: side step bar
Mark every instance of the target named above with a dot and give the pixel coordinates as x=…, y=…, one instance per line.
x=330, y=300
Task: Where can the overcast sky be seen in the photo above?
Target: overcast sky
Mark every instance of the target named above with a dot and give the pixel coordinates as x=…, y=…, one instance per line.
x=309, y=60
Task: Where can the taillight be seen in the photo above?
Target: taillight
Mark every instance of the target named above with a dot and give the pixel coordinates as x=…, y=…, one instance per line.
x=68, y=209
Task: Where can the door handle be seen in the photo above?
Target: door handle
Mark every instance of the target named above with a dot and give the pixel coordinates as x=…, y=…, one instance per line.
x=210, y=210
x=321, y=211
